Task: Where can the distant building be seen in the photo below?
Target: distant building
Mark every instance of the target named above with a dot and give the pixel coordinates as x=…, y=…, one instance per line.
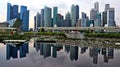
x=60, y=20
x=47, y=17
x=42, y=18
x=78, y=24
x=25, y=21
x=93, y=14
x=104, y=18
x=55, y=12
x=68, y=20
x=107, y=6
x=12, y=11
x=97, y=22
x=74, y=14
x=84, y=20
x=96, y=6
x=111, y=17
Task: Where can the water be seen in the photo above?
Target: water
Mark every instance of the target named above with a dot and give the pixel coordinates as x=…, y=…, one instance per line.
x=53, y=55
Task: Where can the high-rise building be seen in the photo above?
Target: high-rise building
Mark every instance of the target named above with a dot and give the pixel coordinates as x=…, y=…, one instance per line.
x=96, y=6
x=67, y=20
x=97, y=22
x=24, y=16
x=38, y=19
x=74, y=14
x=12, y=11
x=111, y=17
x=25, y=21
x=104, y=18
x=42, y=18
x=60, y=20
x=84, y=20
x=22, y=10
x=93, y=14
x=107, y=6
x=55, y=12
x=35, y=23
x=47, y=17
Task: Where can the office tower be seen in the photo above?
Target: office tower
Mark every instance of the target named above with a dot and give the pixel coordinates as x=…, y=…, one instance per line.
x=111, y=17
x=97, y=22
x=47, y=17
x=35, y=23
x=107, y=6
x=74, y=14
x=25, y=21
x=38, y=21
x=84, y=20
x=42, y=18
x=96, y=7
x=55, y=12
x=104, y=18
x=67, y=20
x=24, y=16
x=15, y=11
x=12, y=11
x=22, y=10
x=60, y=20
x=93, y=13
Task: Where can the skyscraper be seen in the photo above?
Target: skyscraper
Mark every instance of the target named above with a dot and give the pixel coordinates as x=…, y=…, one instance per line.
x=35, y=23
x=96, y=6
x=67, y=20
x=9, y=11
x=24, y=16
x=22, y=10
x=55, y=12
x=84, y=20
x=42, y=18
x=93, y=14
x=97, y=22
x=38, y=19
x=47, y=17
x=107, y=6
x=25, y=21
x=74, y=14
x=111, y=17
x=104, y=18
x=12, y=11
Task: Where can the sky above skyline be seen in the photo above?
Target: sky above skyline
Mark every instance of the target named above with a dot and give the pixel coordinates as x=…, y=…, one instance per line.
x=63, y=7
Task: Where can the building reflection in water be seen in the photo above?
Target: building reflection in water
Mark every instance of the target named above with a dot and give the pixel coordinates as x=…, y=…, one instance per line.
x=12, y=51
x=47, y=50
x=73, y=53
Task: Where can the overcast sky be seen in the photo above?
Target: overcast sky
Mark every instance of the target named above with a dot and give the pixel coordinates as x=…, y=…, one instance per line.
x=63, y=6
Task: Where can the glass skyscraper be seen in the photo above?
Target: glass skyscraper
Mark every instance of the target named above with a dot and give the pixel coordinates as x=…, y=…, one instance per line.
x=47, y=17
x=55, y=11
x=42, y=17
x=12, y=11
x=22, y=10
x=25, y=21
x=24, y=16
x=74, y=14
x=110, y=17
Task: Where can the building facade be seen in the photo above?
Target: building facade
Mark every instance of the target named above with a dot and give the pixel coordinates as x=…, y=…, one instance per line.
x=47, y=17
x=74, y=14
x=55, y=12
x=111, y=17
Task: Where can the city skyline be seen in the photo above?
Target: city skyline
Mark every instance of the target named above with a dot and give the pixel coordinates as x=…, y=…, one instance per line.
x=63, y=7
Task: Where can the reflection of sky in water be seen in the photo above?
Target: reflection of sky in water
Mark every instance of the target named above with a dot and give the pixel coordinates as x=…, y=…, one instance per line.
x=48, y=55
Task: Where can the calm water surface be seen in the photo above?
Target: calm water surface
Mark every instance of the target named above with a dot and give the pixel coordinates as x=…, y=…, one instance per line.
x=53, y=55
